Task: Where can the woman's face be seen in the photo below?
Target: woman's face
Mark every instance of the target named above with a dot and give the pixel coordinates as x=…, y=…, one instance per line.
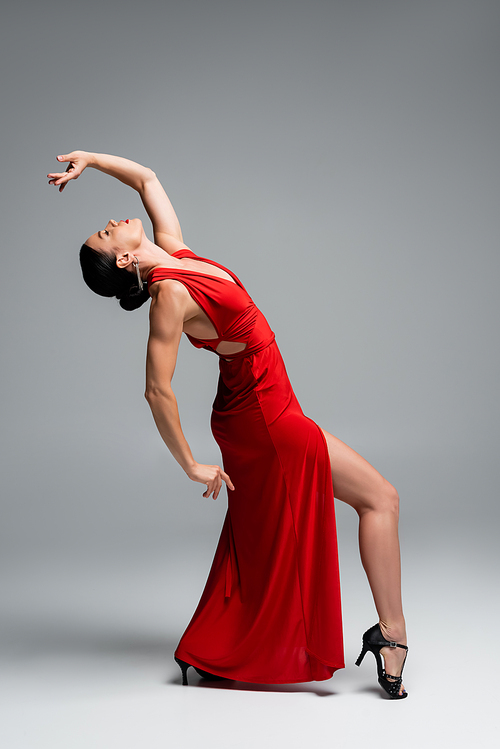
x=122, y=236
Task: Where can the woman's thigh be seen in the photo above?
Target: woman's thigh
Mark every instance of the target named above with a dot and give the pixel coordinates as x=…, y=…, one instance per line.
x=357, y=482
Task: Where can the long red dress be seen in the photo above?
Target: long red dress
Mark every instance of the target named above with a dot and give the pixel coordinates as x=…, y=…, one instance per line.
x=270, y=612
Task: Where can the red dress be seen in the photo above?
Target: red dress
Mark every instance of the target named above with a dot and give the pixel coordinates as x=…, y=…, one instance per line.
x=270, y=612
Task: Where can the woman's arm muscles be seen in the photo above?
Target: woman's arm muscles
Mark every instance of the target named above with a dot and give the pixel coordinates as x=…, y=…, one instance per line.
x=154, y=198
x=167, y=316
x=166, y=320
x=166, y=227
x=129, y=172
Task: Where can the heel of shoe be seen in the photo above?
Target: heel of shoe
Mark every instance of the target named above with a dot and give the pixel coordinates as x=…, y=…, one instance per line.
x=184, y=668
x=374, y=641
x=361, y=656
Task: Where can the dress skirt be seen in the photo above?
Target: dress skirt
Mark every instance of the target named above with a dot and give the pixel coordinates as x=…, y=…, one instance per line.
x=271, y=608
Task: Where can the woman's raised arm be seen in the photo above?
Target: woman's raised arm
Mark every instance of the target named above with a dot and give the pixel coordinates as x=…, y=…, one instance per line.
x=140, y=178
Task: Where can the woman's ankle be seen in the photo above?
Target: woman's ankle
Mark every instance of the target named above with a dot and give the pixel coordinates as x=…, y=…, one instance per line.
x=394, y=631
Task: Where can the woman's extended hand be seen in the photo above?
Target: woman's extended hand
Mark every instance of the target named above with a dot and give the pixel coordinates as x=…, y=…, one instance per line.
x=212, y=476
x=78, y=160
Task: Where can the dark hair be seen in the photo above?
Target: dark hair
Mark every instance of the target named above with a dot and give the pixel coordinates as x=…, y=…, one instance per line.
x=102, y=275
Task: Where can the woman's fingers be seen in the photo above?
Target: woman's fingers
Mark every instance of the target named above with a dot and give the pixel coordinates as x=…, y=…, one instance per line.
x=78, y=160
x=213, y=488
x=71, y=174
x=210, y=489
x=54, y=179
x=222, y=476
x=219, y=487
x=56, y=175
x=227, y=480
x=213, y=477
x=61, y=178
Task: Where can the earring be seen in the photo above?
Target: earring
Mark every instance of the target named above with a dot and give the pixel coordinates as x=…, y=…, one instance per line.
x=139, y=279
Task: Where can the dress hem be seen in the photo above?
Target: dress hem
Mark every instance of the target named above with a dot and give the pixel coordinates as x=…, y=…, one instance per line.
x=203, y=667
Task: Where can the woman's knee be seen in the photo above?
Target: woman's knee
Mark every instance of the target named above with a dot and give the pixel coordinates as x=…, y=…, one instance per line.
x=358, y=483
x=390, y=498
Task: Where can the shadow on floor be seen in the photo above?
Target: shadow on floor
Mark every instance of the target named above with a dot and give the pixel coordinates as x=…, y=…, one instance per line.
x=241, y=686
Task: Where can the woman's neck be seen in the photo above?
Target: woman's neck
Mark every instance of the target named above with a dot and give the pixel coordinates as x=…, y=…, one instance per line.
x=151, y=256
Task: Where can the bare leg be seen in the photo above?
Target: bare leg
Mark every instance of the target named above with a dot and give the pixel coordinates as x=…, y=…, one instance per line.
x=376, y=501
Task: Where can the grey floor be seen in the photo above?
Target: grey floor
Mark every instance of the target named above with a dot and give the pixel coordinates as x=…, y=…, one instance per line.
x=88, y=646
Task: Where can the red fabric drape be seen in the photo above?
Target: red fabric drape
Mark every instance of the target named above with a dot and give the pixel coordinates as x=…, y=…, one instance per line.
x=270, y=611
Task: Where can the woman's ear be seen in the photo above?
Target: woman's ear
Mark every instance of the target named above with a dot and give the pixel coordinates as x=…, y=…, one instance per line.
x=124, y=259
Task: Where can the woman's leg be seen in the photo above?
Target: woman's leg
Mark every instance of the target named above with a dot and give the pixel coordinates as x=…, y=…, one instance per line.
x=376, y=501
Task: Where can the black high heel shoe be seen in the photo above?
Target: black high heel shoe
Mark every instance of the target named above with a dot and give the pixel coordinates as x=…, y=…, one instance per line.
x=204, y=674
x=374, y=640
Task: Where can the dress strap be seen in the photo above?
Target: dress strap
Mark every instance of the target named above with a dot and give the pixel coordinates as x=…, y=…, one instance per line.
x=184, y=252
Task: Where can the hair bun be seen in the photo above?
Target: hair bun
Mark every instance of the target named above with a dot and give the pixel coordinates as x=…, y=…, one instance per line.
x=133, y=298
x=102, y=275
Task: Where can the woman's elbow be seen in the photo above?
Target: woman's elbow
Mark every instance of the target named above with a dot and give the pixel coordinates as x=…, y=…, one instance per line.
x=154, y=393
x=147, y=177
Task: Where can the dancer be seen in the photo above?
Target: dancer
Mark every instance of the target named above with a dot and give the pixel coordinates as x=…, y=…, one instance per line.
x=270, y=611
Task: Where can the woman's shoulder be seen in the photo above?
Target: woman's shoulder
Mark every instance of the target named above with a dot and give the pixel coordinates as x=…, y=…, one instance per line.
x=170, y=296
x=165, y=287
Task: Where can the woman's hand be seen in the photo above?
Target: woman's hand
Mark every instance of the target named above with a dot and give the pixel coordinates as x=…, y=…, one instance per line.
x=212, y=476
x=78, y=161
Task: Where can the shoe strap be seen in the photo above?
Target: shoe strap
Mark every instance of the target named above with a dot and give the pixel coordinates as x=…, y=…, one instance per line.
x=397, y=679
x=390, y=644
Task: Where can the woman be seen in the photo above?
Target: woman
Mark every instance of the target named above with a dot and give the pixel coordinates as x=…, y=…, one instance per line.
x=270, y=611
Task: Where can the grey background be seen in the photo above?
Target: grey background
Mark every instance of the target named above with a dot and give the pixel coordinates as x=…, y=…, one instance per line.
x=342, y=159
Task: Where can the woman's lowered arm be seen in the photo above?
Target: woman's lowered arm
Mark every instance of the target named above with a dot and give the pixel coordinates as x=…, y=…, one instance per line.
x=167, y=316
